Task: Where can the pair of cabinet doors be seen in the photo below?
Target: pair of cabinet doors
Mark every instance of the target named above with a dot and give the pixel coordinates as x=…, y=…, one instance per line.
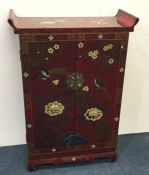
x=70, y=89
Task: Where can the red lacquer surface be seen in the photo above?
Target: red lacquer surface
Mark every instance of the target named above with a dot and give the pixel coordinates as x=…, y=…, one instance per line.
x=103, y=98
x=70, y=64
x=49, y=131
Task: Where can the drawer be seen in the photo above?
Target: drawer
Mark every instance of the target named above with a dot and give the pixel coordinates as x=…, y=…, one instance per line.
x=68, y=36
x=55, y=37
x=95, y=36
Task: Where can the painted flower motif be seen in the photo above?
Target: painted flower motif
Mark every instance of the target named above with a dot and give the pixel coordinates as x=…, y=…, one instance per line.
x=75, y=81
x=56, y=46
x=108, y=47
x=90, y=53
x=85, y=88
x=111, y=61
x=94, y=57
x=93, y=114
x=50, y=50
x=93, y=54
x=55, y=82
x=80, y=45
x=105, y=48
x=54, y=108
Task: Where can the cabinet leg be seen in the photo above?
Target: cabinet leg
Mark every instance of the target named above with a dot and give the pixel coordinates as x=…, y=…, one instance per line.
x=31, y=166
x=113, y=158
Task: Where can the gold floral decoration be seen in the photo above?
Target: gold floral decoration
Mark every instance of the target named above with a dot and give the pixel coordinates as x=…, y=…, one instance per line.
x=93, y=54
x=75, y=81
x=90, y=53
x=50, y=50
x=105, y=48
x=56, y=46
x=54, y=108
x=80, y=45
x=108, y=47
x=111, y=61
x=93, y=114
x=85, y=88
x=55, y=82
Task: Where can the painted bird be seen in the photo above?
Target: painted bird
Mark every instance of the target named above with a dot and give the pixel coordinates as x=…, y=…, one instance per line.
x=99, y=85
x=43, y=74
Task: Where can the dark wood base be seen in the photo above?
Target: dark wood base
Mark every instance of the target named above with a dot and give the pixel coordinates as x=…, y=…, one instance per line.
x=31, y=166
x=113, y=158
x=70, y=159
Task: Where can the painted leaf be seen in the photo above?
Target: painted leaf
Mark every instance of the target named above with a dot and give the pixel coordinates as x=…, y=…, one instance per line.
x=73, y=139
x=57, y=70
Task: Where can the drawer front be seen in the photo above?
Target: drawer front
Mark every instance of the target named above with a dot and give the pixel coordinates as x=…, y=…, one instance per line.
x=98, y=62
x=52, y=102
x=49, y=37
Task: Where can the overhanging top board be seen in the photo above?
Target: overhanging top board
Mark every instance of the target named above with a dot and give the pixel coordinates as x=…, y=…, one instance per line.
x=121, y=22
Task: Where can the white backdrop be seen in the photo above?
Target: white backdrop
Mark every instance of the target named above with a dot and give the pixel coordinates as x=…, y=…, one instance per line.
x=135, y=103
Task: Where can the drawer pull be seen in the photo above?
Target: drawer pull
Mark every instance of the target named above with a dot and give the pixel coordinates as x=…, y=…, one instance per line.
x=73, y=159
x=50, y=37
x=93, y=146
x=100, y=36
x=38, y=51
x=53, y=150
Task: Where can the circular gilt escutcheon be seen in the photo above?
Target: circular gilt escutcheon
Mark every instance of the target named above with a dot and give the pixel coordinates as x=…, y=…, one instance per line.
x=75, y=81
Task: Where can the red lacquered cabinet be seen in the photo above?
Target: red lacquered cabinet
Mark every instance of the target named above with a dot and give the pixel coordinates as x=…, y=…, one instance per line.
x=73, y=70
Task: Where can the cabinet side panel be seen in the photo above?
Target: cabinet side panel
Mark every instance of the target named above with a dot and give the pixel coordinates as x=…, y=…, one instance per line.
x=27, y=92
x=124, y=37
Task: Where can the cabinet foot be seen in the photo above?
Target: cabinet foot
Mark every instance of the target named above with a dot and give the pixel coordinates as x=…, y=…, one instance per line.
x=113, y=158
x=31, y=166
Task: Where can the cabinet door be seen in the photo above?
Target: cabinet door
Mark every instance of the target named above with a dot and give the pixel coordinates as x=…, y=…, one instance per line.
x=52, y=101
x=97, y=63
